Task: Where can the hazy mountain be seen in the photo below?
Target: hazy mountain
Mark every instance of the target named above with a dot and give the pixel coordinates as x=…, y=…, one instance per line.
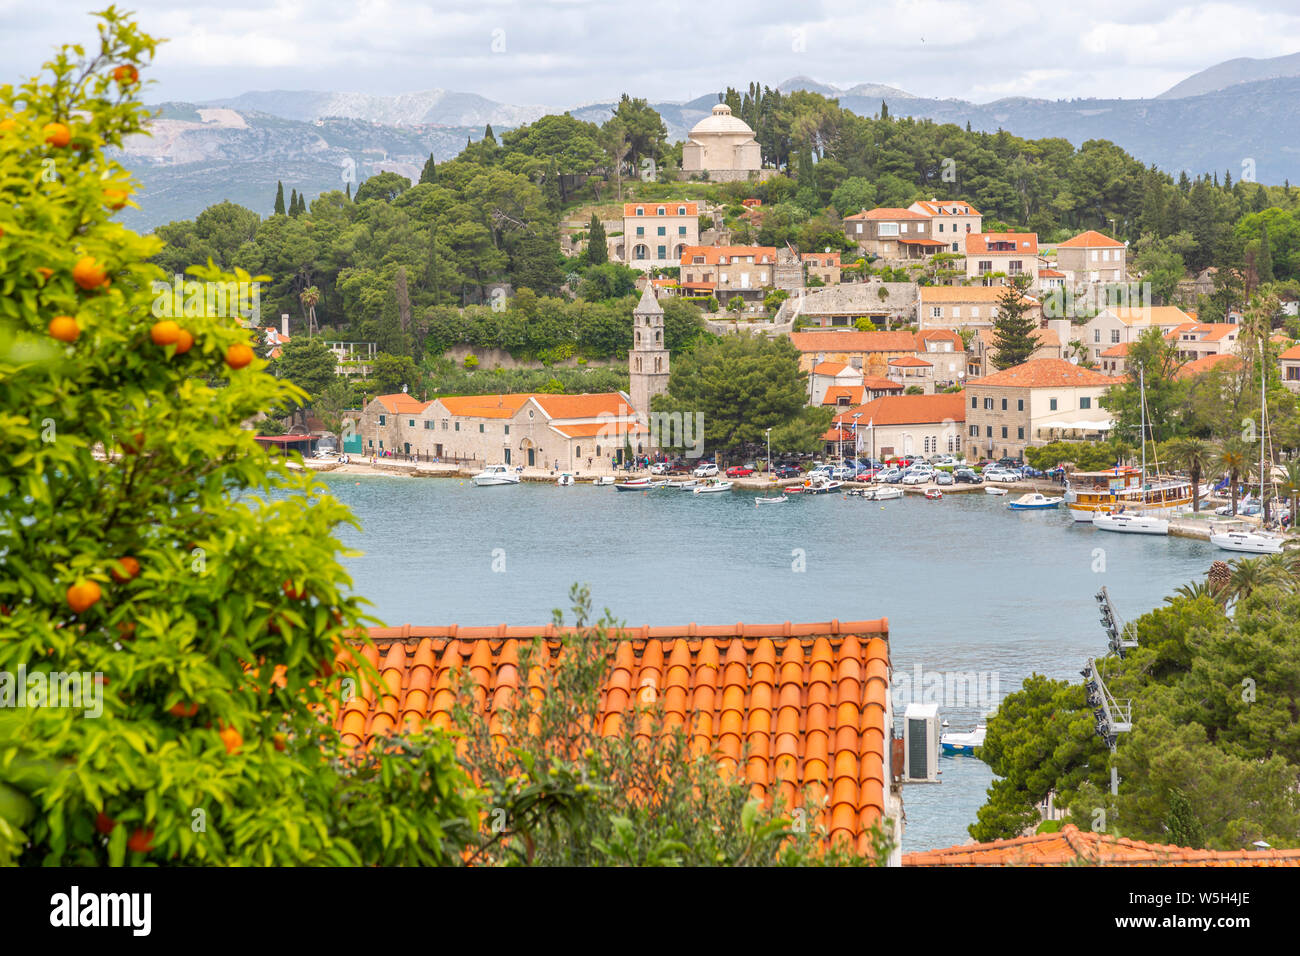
x=425, y=108
x=1231, y=72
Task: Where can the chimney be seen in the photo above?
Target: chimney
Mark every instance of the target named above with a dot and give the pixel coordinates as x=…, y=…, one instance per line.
x=284, y=324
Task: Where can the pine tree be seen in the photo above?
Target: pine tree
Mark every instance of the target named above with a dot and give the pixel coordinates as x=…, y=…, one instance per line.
x=884, y=110
x=348, y=189
x=1184, y=828
x=597, y=250
x=427, y=175
x=279, y=198
x=1013, y=329
x=1227, y=179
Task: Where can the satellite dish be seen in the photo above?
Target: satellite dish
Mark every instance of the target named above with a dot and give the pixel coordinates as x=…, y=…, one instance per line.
x=1074, y=360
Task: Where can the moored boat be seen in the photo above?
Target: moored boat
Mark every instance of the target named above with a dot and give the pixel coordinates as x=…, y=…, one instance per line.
x=820, y=484
x=685, y=484
x=1034, y=502
x=1088, y=492
x=603, y=480
x=1130, y=523
x=565, y=479
x=934, y=494
x=496, y=475
x=770, y=501
x=1251, y=542
x=711, y=486
x=634, y=484
x=963, y=742
x=887, y=493
x=994, y=490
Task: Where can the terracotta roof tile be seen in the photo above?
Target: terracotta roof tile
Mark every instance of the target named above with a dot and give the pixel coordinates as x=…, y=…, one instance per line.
x=651, y=209
x=401, y=403
x=1292, y=354
x=854, y=394
x=1025, y=242
x=961, y=294
x=1073, y=846
x=946, y=207
x=1044, y=373
x=1092, y=239
x=833, y=340
x=1204, y=364
x=763, y=255
x=800, y=704
x=887, y=212
x=908, y=410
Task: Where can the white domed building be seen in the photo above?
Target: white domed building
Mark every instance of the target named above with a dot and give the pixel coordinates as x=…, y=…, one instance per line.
x=723, y=146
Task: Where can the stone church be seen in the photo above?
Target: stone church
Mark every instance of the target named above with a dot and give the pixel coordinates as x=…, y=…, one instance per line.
x=722, y=145
x=648, y=359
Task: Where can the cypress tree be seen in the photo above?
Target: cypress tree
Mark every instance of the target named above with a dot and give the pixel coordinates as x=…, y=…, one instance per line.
x=279, y=198
x=488, y=136
x=348, y=189
x=293, y=202
x=428, y=173
x=1184, y=828
x=597, y=250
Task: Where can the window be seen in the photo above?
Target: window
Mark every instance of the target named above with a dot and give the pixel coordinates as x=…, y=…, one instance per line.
x=663, y=231
x=1004, y=431
x=859, y=225
x=1094, y=255
x=661, y=210
x=988, y=404
x=974, y=309
x=507, y=429
x=381, y=420
x=974, y=402
x=1051, y=405
x=1114, y=336
x=974, y=431
x=902, y=227
x=1014, y=267
x=410, y=422
x=1004, y=404
x=681, y=211
x=887, y=230
x=640, y=211
x=1020, y=404
x=936, y=312
x=985, y=266
x=681, y=230
x=371, y=443
x=480, y=428
x=956, y=312
x=458, y=426
x=988, y=431
x=1096, y=335
x=1085, y=402
x=577, y=451
x=1020, y=432
x=444, y=424
x=663, y=252
x=640, y=230
x=941, y=227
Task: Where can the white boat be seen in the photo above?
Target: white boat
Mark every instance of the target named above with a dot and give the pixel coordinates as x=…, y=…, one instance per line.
x=603, y=480
x=640, y=484
x=888, y=493
x=1252, y=542
x=964, y=742
x=684, y=485
x=820, y=484
x=496, y=475
x=770, y=501
x=565, y=479
x=711, y=486
x=994, y=490
x=1034, y=502
x=933, y=494
x=1130, y=523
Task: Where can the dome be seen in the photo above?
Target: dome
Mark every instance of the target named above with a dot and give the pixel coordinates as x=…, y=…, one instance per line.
x=721, y=121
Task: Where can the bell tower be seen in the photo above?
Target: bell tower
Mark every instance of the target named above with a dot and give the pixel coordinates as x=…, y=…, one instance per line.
x=648, y=360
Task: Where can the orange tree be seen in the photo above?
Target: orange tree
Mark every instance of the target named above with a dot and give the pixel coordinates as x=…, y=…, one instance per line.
x=150, y=545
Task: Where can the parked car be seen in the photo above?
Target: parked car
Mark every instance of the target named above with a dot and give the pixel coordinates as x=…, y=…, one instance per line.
x=967, y=476
x=659, y=468
x=1001, y=475
x=944, y=461
x=889, y=476
x=786, y=471
x=740, y=471
x=1027, y=472
x=705, y=469
x=944, y=478
x=916, y=477
x=869, y=474
x=1009, y=462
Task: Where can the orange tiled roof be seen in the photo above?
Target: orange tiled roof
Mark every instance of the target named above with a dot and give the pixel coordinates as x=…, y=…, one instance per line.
x=940, y=207
x=712, y=255
x=802, y=705
x=1092, y=239
x=875, y=384
x=1045, y=373
x=829, y=368
x=854, y=393
x=834, y=340
x=1116, y=351
x=401, y=403
x=922, y=242
x=484, y=406
x=1072, y=846
x=887, y=212
x=1050, y=274
x=908, y=410
x=1204, y=364
x=1206, y=332
x=609, y=429
x=931, y=294
x=939, y=335
x=1025, y=242
x=652, y=209
x=586, y=405
x=910, y=361
x=1292, y=354
x=1162, y=315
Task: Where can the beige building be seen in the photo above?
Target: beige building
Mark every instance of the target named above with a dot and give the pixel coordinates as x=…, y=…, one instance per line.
x=837, y=384
x=906, y=425
x=892, y=233
x=654, y=234
x=983, y=350
x=973, y=306
x=951, y=221
x=1002, y=253
x=882, y=303
x=1041, y=401
x=1092, y=257
x=722, y=146
x=1197, y=340
x=822, y=265
x=946, y=353
x=727, y=271
x=387, y=423
x=1120, y=324
x=1289, y=362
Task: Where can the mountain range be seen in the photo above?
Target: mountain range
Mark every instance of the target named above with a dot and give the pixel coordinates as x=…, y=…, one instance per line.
x=1233, y=116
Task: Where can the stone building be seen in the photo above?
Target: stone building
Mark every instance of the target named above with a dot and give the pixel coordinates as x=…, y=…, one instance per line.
x=788, y=273
x=648, y=358
x=722, y=146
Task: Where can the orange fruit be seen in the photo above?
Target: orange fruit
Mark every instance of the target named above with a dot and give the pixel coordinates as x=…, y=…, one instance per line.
x=83, y=595
x=6, y=125
x=64, y=328
x=183, y=709
x=56, y=134
x=45, y=272
x=141, y=841
x=184, y=342
x=238, y=355
x=278, y=741
x=292, y=592
x=165, y=332
x=133, y=444
x=115, y=198
x=231, y=738
x=125, y=568
x=104, y=823
x=89, y=274
x=126, y=74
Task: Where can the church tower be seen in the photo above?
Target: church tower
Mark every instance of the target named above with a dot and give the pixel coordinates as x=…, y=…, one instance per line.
x=648, y=360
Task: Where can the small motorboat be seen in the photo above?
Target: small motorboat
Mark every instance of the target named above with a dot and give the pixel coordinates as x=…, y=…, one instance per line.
x=820, y=485
x=633, y=484
x=994, y=490
x=496, y=475
x=770, y=501
x=933, y=494
x=1126, y=523
x=867, y=494
x=963, y=742
x=1034, y=502
x=684, y=485
x=603, y=480
x=1251, y=542
x=711, y=486
x=565, y=479
x=887, y=494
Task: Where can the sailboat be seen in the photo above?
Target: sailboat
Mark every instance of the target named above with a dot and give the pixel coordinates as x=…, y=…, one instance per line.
x=1248, y=541
x=1124, y=500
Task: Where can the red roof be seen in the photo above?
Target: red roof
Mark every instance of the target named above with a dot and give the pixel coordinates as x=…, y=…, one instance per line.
x=854, y=393
x=801, y=710
x=949, y=207
x=922, y=242
x=652, y=209
x=1072, y=846
x=1045, y=373
x=1204, y=364
x=835, y=340
x=908, y=410
x=402, y=403
x=910, y=361
x=1092, y=239
x=712, y=255
x=1292, y=354
x=1025, y=242
x=887, y=212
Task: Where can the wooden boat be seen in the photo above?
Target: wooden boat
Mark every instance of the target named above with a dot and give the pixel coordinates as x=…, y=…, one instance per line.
x=770, y=501
x=1088, y=492
x=1034, y=502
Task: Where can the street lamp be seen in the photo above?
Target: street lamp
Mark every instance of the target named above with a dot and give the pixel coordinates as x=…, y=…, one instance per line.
x=769, y=453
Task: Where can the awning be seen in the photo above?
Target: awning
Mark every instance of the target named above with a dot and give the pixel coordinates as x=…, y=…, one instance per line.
x=1087, y=425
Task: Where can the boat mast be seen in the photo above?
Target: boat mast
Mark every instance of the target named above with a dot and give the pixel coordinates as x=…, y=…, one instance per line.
x=1142, y=403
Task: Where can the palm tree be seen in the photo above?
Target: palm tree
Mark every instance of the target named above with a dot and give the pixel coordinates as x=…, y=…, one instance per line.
x=1291, y=483
x=1196, y=455
x=1248, y=576
x=1192, y=590
x=309, y=297
x=1234, y=455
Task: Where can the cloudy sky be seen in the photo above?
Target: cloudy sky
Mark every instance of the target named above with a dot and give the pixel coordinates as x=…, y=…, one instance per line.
x=571, y=52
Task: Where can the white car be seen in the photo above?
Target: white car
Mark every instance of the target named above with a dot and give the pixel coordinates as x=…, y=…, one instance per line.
x=946, y=461
x=887, y=475
x=659, y=468
x=1002, y=476
x=916, y=478
x=705, y=470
